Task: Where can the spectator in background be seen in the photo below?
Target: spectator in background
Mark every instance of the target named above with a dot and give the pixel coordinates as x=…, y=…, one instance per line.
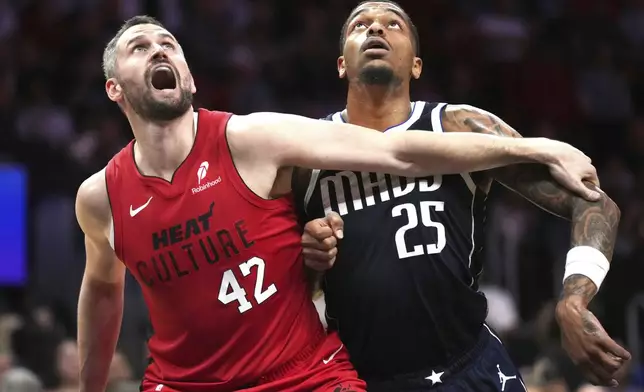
x=505, y=33
x=502, y=316
x=67, y=364
x=20, y=380
x=35, y=343
x=120, y=376
x=603, y=90
x=631, y=21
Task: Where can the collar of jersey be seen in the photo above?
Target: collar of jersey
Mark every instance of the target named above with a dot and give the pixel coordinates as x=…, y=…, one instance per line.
x=415, y=113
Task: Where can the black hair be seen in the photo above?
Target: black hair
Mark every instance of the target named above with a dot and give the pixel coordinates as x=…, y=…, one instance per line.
x=414, y=31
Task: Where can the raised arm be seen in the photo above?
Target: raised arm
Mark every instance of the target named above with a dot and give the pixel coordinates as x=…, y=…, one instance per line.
x=593, y=234
x=287, y=140
x=100, y=304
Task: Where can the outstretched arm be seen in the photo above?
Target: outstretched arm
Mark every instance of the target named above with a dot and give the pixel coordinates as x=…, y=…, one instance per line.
x=289, y=140
x=593, y=234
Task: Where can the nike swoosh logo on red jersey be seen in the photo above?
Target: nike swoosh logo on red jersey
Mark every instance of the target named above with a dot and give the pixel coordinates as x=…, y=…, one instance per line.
x=325, y=361
x=134, y=212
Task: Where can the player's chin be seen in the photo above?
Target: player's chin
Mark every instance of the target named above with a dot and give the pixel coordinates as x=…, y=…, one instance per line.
x=377, y=65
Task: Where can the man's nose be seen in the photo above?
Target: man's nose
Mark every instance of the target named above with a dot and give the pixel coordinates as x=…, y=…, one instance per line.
x=158, y=53
x=376, y=29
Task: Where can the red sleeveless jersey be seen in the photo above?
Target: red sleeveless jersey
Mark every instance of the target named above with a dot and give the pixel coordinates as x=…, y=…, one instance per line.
x=220, y=268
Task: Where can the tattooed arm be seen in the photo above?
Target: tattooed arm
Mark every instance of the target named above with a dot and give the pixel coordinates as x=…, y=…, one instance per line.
x=594, y=224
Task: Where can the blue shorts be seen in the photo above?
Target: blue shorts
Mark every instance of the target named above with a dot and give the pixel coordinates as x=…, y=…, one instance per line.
x=486, y=368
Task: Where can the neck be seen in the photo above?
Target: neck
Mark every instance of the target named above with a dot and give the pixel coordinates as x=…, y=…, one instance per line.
x=161, y=147
x=377, y=107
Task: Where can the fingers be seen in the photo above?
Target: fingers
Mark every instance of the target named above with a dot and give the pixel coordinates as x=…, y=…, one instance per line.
x=336, y=223
x=582, y=190
x=319, y=266
x=589, y=194
x=319, y=260
x=322, y=241
x=609, y=362
x=604, y=358
x=611, y=348
x=596, y=370
x=591, y=176
x=598, y=381
x=319, y=255
x=318, y=229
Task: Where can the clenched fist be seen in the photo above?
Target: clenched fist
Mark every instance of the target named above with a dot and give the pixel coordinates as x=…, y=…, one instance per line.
x=320, y=240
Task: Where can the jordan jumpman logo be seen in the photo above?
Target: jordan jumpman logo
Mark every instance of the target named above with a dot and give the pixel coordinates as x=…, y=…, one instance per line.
x=503, y=378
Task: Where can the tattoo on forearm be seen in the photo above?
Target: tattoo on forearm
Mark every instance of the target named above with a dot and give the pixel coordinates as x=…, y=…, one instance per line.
x=593, y=223
x=578, y=286
x=588, y=323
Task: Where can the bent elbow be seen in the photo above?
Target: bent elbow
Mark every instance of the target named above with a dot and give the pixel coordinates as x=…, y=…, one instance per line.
x=610, y=205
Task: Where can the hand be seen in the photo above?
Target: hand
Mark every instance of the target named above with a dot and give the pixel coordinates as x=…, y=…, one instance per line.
x=319, y=241
x=572, y=169
x=597, y=355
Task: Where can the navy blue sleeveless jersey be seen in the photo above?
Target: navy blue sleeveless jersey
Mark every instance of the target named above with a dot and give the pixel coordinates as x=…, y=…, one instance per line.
x=403, y=293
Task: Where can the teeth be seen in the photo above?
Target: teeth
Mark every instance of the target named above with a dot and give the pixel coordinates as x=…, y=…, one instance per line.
x=164, y=67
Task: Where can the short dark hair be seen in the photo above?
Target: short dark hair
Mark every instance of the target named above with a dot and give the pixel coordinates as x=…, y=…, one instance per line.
x=414, y=31
x=109, y=54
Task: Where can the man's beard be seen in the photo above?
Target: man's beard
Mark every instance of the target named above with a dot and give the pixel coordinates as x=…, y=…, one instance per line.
x=378, y=76
x=153, y=109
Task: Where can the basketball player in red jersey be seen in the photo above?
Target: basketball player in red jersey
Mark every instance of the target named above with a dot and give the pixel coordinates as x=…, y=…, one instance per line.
x=198, y=209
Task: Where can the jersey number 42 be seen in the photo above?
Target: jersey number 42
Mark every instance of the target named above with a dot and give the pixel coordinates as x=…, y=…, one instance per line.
x=426, y=219
x=231, y=290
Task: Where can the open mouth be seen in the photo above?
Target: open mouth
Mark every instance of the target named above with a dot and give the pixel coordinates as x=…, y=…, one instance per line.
x=375, y=45
x=163, y=78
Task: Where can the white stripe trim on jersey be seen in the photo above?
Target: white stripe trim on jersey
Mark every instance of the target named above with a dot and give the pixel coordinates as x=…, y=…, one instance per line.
x=337, y=117
x=309, y=190
x=469, y=263
x=111, y=235
x=111, y=224
x=492, y=333
x=437, y=126
x=417, y=109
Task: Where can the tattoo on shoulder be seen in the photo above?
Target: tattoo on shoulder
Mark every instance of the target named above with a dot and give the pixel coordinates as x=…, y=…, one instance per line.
x=466, y=118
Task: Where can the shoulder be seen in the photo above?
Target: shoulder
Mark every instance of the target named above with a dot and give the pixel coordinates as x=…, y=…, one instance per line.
x=212, y=115
x=93, y=210
x=459, y=111
x=463, y=108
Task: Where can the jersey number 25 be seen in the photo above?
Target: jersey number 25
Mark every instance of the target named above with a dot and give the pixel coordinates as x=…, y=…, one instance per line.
x=426, y=219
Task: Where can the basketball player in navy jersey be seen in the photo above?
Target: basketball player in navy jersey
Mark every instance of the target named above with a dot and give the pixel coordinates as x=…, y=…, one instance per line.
x=403, y=291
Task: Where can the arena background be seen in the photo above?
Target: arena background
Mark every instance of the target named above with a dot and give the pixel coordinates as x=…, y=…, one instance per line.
x=566, y=69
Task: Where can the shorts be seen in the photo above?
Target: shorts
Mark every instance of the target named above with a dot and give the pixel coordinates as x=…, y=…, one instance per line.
x=327, y=370
x=486, y=368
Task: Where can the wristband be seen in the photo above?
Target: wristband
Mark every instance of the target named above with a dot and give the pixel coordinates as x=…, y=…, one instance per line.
x=587, y=261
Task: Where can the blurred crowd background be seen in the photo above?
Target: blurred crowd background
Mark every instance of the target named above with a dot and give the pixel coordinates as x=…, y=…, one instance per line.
x=566, y=69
